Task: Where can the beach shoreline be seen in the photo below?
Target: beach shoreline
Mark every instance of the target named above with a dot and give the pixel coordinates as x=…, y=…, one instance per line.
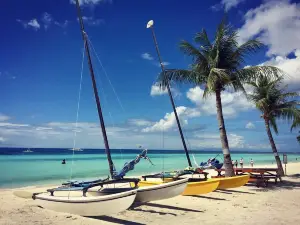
x=211, y=172
x=277, y=204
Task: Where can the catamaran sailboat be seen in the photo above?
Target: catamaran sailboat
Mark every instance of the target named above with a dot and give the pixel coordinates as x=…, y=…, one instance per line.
x=195, y=186
x=82, y=198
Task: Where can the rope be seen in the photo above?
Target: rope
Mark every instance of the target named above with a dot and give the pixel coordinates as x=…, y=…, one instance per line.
x=163, y=146
x=77, y=115
x=105, y=98
x=119, y=101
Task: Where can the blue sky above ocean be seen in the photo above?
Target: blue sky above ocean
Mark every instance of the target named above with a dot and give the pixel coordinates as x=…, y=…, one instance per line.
x=40, y=64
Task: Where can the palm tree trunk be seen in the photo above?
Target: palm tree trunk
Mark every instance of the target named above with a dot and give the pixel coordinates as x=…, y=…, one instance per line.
x=229, y=172
x=274, y=149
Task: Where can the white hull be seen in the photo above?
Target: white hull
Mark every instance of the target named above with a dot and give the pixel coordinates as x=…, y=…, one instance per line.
x=161, y=191
x=150, y=193
x=87, y=206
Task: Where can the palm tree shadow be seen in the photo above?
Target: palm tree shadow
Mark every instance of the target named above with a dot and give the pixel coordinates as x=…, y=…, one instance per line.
x=212, y=198
x=114, y=220
x=285, y=184
x=295, y=176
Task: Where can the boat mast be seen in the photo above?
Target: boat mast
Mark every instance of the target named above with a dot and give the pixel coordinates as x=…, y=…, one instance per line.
x=87, y=51
x=170, y=93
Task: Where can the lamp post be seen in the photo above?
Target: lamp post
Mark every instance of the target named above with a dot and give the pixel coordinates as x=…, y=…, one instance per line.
x=150, y=25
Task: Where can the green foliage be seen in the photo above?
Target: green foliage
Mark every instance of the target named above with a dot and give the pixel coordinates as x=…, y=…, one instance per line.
x=274, y=101
x=218, y=64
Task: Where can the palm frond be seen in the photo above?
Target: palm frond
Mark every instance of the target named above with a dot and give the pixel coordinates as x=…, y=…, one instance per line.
x=289, y=113
x=251, y=46
x=207, y=92
x=273, y=124
x=181, y=76
x=295, y=124
x=216, y=77
x=202, y=39
x=251, y=73
x=298, y=139
x=191, y=50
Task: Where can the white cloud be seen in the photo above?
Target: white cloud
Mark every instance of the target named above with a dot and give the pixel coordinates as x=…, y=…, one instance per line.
x=226, y=4
x=89, y=2
x=92, y=21
x=147, y=56
x=62, y=24
x=61, y=135
x=140, y=122
x=232, y=103
x=32, y=23
x=250, y=125
x=13, y=125
x=156, y=90
x=164, y=64
x=2, y=139
x=47, y=20
x=276, y=23
x=3, y=117
x=169, y=120
x=212, y=140
x=291, y=66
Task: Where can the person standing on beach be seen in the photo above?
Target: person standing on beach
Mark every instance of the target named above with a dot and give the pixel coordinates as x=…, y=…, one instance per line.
x=236, y=163
x=241, y=162
x=251, y=162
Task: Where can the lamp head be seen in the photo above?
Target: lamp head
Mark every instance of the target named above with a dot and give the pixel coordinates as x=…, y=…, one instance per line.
x=150, y=24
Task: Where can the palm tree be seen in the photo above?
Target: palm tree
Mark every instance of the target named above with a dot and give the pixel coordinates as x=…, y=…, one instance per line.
x=275, y=102
x=295, y=124
x=218, y=65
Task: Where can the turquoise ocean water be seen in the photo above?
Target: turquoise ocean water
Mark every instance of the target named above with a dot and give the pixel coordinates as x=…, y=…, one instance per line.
x=43, y=166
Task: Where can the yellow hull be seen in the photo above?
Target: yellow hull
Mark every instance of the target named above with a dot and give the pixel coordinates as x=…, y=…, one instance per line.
x=192, y=188
x=202, y=187
x=233, y=182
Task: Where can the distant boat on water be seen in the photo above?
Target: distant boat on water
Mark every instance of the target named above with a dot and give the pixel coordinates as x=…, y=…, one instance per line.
x=76, y=149
x=27, y=151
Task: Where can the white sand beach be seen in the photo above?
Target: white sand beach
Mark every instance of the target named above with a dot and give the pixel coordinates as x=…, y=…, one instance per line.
x=277, y=204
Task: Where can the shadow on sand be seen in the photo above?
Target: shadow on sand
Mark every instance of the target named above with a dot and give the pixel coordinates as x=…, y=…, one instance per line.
x=211, y=198
x=137, y=207
x=115, y=220
x=285, y=184
x=235, y=191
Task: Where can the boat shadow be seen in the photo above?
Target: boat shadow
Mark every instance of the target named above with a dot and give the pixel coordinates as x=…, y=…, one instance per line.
x=138, y=207
x=211, y=198
x=229, y=191
x=114, y=220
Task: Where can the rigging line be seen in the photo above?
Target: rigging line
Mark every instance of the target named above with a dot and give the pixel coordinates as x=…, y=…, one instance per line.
x=102, y=90
x=77, y=116
x=185, y=136
x=163, y=146
x=121, y=105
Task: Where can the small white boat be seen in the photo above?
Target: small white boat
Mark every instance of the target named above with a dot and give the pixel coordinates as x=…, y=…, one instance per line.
x=87, y=206
x=151, y=193
x=76, y=149
x=27, y=151
x=161, y=191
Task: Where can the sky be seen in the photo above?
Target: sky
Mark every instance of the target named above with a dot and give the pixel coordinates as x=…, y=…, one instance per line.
x=41, y=63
